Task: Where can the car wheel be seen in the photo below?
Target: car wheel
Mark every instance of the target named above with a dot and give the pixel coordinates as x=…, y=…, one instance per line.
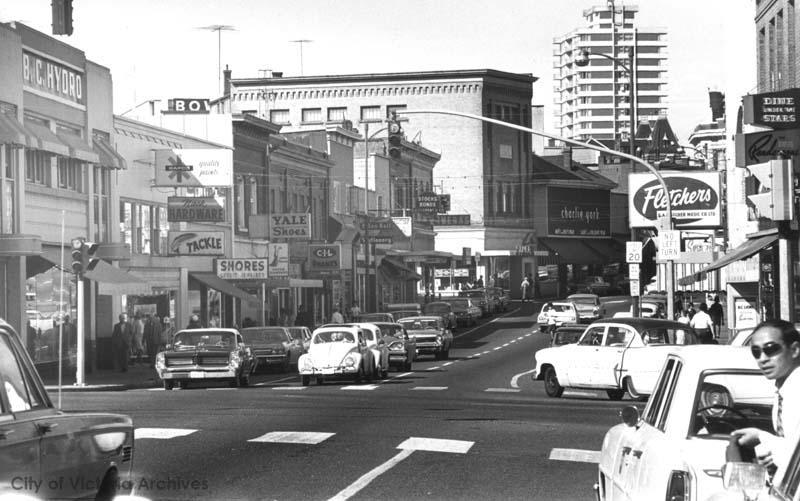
x=384, y=374
x=108, y=488
x=407, y=366
x=234, y=383
x=287, y=364
x=168, y=384
x=615, y=394
x=306, y=380
x=244, y=379
x=551, y=386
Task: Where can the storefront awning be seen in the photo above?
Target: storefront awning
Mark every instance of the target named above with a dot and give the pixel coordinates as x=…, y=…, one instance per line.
x=78, y=148
x=607, y=248
x=744, y=251
x=108, y=156
x=223, y=286
x=46, y=140
x=112, y=281
x=50, y=256
x=571, y=250
x=397, y=269
x=13, y=132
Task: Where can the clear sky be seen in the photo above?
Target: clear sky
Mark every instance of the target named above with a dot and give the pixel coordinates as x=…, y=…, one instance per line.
x=156, y=51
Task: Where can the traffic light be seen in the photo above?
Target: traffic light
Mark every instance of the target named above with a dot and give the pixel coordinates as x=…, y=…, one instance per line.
x=444, y=204
x=83, y=259
x=776, y=198
x=62, y=17
x=395, y=137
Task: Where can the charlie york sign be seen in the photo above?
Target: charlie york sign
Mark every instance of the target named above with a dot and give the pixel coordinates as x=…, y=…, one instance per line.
x=196, y=243
x=194, y=209
x=290, y=225
x=694, y=195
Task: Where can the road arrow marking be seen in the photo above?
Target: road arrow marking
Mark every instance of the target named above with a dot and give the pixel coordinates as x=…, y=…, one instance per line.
x=515, y=379
x=407, y=448
x=161, y=433
x=429, y=388
x=293, y=437
x=575, y=455
x=362, y=387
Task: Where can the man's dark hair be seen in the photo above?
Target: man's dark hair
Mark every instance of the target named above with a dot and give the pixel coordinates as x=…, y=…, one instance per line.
x=789, y=333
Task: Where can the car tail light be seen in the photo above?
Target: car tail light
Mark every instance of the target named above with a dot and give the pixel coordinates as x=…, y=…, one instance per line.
x=679, y=486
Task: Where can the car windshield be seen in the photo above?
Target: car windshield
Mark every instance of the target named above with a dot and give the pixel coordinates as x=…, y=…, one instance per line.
x=296, y=333
x=731, y=400
x=272, y=336
x=557, y=308
x=378, y=317
x=583, y=300
x=334, y=337
x=392, y=330
x=404, y=314
x=417, y=324
x=188, y=340
x=664, y=335
x=477, y=293
x=437, y=308
x=456, y=303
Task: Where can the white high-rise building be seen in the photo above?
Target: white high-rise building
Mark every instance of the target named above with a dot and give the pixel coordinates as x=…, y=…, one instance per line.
x=592, y=100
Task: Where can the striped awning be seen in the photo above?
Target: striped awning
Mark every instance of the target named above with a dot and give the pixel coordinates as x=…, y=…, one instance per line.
x=78, y=148
x=13, y=132
x=46, y=140
x=108, y=156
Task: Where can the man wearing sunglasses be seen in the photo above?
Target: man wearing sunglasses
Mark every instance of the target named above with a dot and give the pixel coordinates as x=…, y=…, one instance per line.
x=776, y=347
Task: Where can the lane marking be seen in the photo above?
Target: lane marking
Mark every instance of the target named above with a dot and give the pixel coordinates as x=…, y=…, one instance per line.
x=487, y=323
x=293, y=437
x=221, y=389
x=407, y=448
x=485, y=352
x=521, y=338
x=575, y=455
x=434, y=368
x=429, y=388
x=502, y=390
x=156, y=389
x=161, y=433
x=398, y=376
x=291, y=388
x=360, y=387
x=505, y=345
x=512, y=341
x=497, y=348
x=447, y=363
x=515, y=379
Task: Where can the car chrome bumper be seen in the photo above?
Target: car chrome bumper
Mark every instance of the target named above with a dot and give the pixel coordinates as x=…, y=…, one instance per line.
x=271, y=359
x=330, y=371
x=198, y=374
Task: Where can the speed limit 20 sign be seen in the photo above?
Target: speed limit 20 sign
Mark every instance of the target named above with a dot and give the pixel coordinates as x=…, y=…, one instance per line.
x=633, y=252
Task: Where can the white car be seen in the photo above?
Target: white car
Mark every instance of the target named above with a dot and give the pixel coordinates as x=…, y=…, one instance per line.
x=375, y=342
x=564, y=312
x=616, y=355
x=337, y=351
x=676, y=448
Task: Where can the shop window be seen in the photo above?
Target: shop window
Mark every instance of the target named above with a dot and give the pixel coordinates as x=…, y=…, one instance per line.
x=126, y=224
x=144, y=226
x=396, y=108
x=37, y=167
x=70, y=174
x=160, y=231
x=239, y=198
x=254, y=196
x=101, y=186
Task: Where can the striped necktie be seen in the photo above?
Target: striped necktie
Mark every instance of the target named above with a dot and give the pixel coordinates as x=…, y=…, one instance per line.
x=779, y=417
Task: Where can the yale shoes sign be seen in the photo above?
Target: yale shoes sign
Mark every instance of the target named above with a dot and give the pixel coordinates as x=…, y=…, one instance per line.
x=290, y=225
x=196, y=243
x=242, y=269
x=695, y=199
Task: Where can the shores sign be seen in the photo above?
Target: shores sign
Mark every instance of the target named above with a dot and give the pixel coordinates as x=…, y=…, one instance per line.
x=196, y=243
x=695, y=199
x=242, y=269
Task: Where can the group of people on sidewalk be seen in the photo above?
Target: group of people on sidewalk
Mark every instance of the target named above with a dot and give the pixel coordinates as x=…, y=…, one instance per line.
x=706, y=321
x=147, y=333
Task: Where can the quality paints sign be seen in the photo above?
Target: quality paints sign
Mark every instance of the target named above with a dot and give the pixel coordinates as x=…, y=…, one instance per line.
x=196, y=243
x=194, y=167
x=695, y=199
x=242, y=269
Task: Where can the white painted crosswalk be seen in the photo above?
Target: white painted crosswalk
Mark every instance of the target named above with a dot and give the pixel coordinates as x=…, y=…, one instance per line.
x=293, y=437
x=161, y=433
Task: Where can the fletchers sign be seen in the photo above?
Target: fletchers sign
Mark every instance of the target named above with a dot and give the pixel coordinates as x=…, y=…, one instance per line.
x=694, y=195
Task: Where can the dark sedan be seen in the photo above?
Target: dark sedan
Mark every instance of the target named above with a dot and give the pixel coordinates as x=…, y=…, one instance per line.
x=444, y=310
x=402, y=347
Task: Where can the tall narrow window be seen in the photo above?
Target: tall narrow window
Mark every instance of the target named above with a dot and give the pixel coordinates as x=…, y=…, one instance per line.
x=239, y=196
x=126, y=224
x=9, y=168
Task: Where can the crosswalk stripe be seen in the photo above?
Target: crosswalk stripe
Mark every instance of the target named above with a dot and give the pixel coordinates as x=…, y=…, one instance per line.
x=502, y=390
x=161, y=433
x=436, y=445
x=429, y=388
x=358, y=387
x=575, y=455
x=293, y=437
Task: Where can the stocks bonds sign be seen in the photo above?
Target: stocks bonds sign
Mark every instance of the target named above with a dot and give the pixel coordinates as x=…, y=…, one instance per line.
x=695, y=199
x=577, y=212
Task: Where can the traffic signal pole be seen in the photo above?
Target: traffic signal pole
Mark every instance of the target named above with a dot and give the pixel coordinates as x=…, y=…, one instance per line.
x=667, y=199
x=80, y=334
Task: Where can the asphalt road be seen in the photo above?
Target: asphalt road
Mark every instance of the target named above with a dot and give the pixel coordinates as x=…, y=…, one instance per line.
x=472, y=427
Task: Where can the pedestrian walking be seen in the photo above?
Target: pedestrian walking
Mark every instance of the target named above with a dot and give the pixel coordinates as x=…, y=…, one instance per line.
x=702, y=324
x=167, y=332
x=716, y=314
x=355, y=312
x=121, y=338
x=776, y=347
x=194, y=322
x=526, y=288
x=138, y=338
x=152, y=337
x=479, y=282
x=336, y=317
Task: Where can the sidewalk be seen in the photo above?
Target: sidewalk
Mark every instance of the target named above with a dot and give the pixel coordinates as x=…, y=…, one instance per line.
x=137, y=376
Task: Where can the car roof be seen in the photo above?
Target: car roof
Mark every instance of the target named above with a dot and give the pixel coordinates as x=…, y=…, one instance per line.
x=264, y=328
x=422, y=317
x=581, y=296
x=338, y=328
x=700, y=357
x=642, y=322
x=210, y=330
x=561, y=303
x=438, y=303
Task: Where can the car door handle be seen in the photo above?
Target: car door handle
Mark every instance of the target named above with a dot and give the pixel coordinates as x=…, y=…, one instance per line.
x=46, y=427
x=637, y=453
x=626, y=450
x=5, y=432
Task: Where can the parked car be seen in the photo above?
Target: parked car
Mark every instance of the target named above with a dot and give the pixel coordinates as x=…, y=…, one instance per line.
x=212, y=354
x=588, y=306
x=402, y=347
x=467, y=313
x=444, y=310
x=399, y=310
x=564, y=312
x=42, y=443
x=337, y=351
x=594, y=285
x=376, y=317
x=610, y=305
x=567, y=334
x=482, y=299
x=273, y=346
x=616, y=355
x=676, y=447
x=380, y=350
x=502, y=297
x=301, y=334
x=430, y=334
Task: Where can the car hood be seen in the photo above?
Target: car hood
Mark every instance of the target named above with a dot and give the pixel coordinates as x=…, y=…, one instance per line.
x=331, y=352
x=263, y=345
x=584, y=307
x=189, y=353
x=424, y=332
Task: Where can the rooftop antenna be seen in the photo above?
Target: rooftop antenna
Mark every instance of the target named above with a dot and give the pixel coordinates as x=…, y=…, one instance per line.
x=301, y=42
x=219, y=28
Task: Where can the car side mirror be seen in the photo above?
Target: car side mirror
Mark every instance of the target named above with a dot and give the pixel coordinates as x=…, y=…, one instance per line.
x=630, y=415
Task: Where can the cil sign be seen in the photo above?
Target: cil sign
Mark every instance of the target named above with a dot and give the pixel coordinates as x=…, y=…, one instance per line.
x=242, y=269
x=695, y=199
x=324, y=259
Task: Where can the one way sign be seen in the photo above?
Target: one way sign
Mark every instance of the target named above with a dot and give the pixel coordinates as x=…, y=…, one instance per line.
x=194, y=167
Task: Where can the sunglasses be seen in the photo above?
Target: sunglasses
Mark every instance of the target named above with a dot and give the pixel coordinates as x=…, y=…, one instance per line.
x=769, y=349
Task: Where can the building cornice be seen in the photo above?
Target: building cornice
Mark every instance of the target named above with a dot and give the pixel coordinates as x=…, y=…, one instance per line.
x=525, y=78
